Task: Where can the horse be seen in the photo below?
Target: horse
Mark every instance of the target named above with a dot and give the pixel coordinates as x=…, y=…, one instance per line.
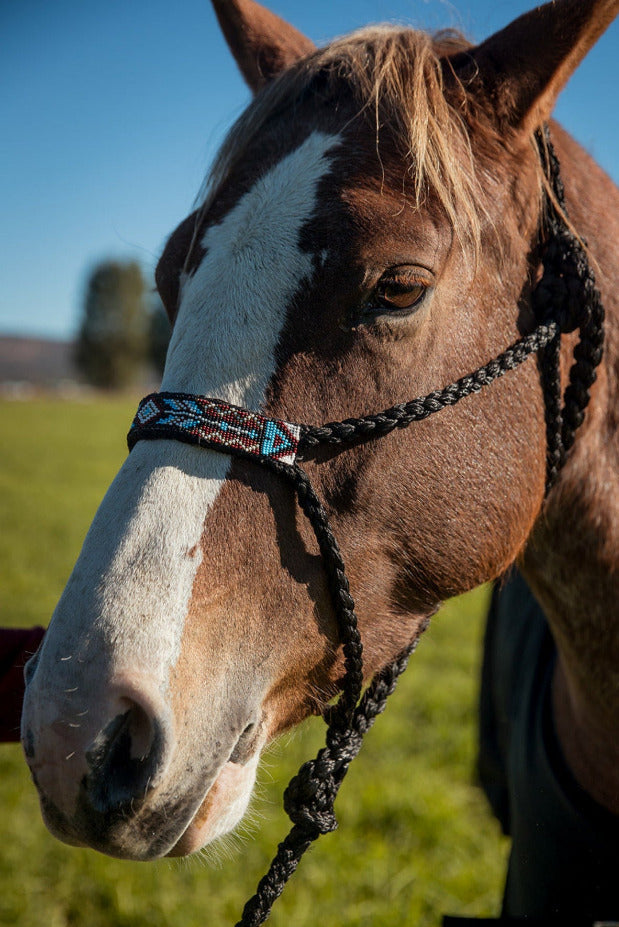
x=370, y=232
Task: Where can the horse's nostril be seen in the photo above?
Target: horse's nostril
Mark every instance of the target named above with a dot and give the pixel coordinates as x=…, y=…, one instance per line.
x=125, y=759
x=246, y=744
x=141, y=731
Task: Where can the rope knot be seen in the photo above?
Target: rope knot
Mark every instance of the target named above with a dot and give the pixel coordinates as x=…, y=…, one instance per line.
x=308, y=800
x=557, y=302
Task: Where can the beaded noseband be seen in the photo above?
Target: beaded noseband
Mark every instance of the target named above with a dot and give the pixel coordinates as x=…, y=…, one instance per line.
x=216, y=424
x=564, y=300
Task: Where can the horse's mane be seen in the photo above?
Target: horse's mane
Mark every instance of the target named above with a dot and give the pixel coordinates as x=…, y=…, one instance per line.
x=396, y=76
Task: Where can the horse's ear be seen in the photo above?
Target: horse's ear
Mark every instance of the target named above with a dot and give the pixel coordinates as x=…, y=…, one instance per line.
x=524, y=67
x=261, y=42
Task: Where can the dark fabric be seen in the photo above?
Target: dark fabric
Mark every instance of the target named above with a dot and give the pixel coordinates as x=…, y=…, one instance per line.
x=17, y=645
x=564, y=860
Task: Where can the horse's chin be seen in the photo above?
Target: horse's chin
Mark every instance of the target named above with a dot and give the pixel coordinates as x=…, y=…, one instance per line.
x=223, y=808
x=138, y=838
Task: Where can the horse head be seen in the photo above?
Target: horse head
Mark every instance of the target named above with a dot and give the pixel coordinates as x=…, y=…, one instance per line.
x=368, y=234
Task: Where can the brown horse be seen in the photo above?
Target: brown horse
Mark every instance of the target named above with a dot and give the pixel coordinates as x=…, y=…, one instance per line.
x=368, y=235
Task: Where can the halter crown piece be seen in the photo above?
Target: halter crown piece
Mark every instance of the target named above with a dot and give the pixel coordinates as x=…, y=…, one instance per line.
x=565, y=299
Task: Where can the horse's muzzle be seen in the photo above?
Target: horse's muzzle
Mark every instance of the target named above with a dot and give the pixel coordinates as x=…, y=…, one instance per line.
x=96, y=769
x=118, y=781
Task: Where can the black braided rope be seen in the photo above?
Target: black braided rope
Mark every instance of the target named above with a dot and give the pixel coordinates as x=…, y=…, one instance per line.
x=567, y=293
x=551, y=388
x=310, y=795
x=400, y=416
x=565, y=299
x=343, y=603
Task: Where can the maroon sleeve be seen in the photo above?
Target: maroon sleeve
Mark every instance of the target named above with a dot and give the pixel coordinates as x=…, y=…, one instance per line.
x=17, y=645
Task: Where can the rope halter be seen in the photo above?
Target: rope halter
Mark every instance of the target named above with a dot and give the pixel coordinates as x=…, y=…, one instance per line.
x=566, y=298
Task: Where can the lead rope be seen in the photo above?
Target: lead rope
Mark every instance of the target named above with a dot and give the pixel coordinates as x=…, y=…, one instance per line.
x=310, y=795
x=565, y=299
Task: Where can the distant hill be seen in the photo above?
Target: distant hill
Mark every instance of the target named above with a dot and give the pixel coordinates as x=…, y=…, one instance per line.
x=33, y=365
x=41, y=362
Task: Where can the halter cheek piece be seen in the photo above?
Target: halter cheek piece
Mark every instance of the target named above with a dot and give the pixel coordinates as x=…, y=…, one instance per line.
x=565, y=299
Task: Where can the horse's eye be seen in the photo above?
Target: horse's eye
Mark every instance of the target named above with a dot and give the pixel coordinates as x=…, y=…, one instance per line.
x=400, y=296
x=399, y=293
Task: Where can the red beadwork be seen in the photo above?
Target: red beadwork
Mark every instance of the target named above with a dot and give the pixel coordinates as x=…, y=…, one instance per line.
x=214, y=423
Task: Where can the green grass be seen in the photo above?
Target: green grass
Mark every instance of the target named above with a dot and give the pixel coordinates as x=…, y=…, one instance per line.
x=415, y=839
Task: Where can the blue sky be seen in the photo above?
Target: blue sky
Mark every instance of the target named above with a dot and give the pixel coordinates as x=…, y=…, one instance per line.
x=111, y=113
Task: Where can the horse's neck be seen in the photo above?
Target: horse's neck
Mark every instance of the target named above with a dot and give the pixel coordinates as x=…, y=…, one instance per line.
x=572, y=559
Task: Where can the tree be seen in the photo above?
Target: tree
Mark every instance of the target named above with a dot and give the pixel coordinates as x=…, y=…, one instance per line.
x=113, y=341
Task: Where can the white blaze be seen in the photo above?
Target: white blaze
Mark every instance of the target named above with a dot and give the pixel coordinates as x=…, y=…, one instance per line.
x=134, y=578
x=233, y=308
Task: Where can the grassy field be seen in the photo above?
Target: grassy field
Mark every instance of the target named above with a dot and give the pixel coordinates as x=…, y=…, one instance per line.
x=415, y=840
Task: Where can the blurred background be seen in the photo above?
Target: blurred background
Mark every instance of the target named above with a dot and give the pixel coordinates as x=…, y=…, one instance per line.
x=110, y=114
